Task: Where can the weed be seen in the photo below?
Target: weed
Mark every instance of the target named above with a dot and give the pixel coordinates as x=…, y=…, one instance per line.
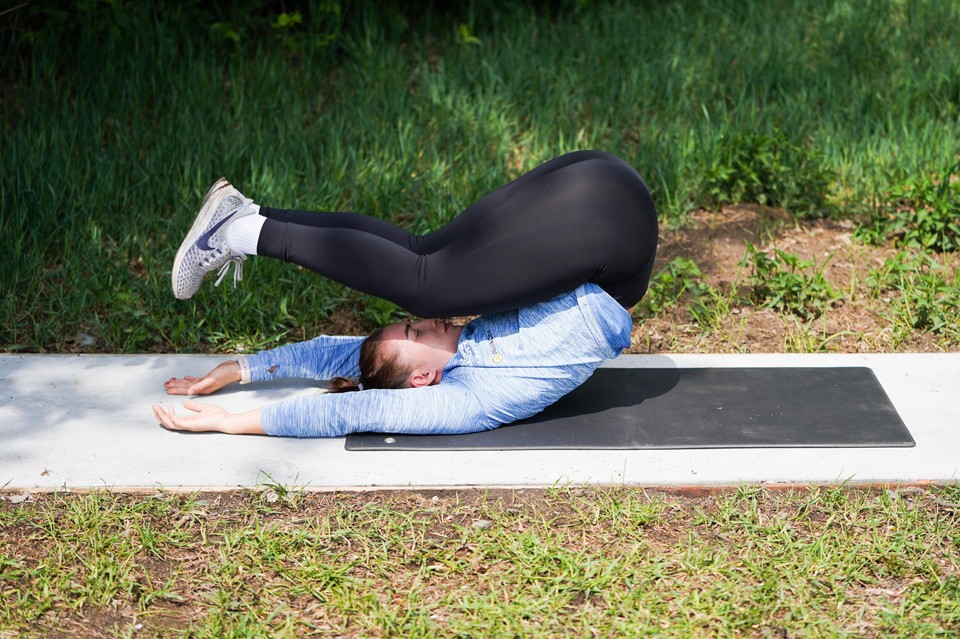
x=920, y=213
x=769, y=170
x=808, y=337
x=679, y=280
x=682, y=282
x=920, y=292
x=779, y=282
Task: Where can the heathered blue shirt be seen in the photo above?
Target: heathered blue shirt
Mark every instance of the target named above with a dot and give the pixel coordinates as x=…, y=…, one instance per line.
x=508, y=366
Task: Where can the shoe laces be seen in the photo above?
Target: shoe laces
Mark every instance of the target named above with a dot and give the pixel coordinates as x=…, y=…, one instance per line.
x=237, y=260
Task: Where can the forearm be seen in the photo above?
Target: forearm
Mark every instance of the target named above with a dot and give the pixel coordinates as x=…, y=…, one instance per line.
x=414, y=411
x=323, y=357
x=206, y=418
x=247, y=423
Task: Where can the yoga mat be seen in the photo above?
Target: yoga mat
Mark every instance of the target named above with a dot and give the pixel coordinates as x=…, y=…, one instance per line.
x=639, y=408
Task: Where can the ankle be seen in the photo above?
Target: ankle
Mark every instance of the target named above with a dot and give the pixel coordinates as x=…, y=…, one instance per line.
x=243, y=234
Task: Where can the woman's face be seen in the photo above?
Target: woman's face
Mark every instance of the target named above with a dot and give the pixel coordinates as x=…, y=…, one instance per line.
x=423, y=347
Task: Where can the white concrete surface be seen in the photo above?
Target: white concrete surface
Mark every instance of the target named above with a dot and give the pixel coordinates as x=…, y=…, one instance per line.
x=85, y=421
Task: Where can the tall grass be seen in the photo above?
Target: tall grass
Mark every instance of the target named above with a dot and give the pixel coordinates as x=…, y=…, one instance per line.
x=109, y=144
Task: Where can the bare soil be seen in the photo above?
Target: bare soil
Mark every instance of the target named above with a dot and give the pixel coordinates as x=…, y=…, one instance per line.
x=717, y=242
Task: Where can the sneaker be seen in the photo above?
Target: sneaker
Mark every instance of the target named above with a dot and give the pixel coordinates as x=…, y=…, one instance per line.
x=205, y=247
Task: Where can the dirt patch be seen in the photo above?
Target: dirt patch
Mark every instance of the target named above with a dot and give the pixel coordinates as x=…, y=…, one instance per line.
x=860, y=322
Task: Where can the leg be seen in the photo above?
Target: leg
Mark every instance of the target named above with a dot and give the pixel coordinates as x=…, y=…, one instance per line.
x=585, y=216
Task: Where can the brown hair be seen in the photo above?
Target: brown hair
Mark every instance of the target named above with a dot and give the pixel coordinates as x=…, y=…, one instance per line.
x=376, y=371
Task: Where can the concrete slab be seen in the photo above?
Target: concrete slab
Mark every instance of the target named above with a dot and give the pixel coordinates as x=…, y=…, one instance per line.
x=84, y=421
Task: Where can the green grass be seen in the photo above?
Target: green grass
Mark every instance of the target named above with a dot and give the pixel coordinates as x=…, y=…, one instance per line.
x=779, y=281
x=921, y=213
x=820, y=562
x=920, y=294
x=117, y=116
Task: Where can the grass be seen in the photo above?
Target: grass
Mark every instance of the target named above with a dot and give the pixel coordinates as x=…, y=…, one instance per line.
x=920, y=293
x=110, y=138
x=817, y=562
x=115, y=118
x=779, y=281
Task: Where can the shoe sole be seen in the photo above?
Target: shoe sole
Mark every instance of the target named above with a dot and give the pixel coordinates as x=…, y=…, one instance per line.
x=202, y=221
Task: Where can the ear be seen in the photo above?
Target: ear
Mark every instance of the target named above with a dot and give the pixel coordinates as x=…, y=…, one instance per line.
x=421, y=377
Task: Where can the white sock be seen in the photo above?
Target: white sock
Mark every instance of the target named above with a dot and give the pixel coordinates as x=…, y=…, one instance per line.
x=244, y=233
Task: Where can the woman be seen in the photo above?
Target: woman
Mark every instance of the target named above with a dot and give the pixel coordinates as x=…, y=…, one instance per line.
x=553, y=261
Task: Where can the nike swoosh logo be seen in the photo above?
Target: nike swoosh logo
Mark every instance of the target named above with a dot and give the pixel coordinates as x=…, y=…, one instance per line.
x=203, y=243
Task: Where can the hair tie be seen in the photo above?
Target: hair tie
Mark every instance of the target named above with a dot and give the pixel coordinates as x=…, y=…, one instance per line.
x=359, y=386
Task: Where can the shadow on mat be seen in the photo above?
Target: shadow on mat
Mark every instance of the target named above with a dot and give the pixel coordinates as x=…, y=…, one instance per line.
x=607, y=389
x=695, y=408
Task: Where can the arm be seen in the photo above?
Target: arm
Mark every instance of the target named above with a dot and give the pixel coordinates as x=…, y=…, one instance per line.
x=432, y=410
x=208, y=417
x=446, y=408
x=323, y=357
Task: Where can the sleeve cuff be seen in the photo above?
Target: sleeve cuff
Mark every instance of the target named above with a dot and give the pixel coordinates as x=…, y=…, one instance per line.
x=245, y=377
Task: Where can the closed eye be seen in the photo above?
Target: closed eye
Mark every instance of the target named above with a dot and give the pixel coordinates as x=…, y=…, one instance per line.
x=416, y=332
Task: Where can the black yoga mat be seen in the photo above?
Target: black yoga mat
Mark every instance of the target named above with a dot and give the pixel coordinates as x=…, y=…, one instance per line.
x=633, y=408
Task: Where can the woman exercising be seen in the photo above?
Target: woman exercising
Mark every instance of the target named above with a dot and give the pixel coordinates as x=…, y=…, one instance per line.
x=552, y=262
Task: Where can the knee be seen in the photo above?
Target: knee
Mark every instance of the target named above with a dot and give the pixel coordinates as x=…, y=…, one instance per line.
x=591, y=154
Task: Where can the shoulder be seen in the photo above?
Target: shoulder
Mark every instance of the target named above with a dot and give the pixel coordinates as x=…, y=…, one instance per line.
x=610, y=323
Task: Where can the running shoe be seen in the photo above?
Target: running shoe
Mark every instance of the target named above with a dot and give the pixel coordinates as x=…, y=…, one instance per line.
x=205, y=247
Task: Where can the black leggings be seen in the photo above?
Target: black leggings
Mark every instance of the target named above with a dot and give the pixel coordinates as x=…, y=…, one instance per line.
x=583, y=217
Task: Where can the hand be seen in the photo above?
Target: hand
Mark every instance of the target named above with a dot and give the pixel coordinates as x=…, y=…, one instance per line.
x=209, y=418
x=224, y=374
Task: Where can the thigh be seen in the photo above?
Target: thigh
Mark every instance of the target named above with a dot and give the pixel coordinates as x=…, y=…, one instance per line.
x=589, y=220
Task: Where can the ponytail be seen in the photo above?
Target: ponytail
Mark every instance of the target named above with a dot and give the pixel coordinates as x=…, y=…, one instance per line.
x=344, y=385
x=375, y=370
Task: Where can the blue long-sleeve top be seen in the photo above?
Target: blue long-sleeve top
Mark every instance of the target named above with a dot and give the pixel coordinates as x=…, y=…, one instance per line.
x=508, y=366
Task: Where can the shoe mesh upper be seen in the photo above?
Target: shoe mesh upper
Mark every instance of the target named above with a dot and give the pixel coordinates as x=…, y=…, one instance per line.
x=223, y=202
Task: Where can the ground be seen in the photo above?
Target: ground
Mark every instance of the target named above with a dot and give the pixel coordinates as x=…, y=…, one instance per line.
x=747, y=562
x=717, y=242
x=752, y=562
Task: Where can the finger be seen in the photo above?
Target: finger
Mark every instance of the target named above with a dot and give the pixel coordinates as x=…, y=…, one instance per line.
x=163, y=417
x=170, y=420
x=202, y=387
x=177, y=387
x=194, y=405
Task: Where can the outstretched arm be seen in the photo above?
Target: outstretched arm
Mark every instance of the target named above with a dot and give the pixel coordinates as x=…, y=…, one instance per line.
x=323, y=357
x=224, y=374
x=209, y=418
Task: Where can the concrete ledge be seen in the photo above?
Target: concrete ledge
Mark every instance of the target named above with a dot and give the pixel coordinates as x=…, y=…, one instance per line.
x=84, y=421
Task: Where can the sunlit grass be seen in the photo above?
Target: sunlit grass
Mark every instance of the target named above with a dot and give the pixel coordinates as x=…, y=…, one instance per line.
x=108, y=147
x=817, y=562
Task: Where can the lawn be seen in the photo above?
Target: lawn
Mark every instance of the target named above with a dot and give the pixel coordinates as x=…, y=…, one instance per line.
x=804, y=160
x=117, y=116
x=563, y=562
